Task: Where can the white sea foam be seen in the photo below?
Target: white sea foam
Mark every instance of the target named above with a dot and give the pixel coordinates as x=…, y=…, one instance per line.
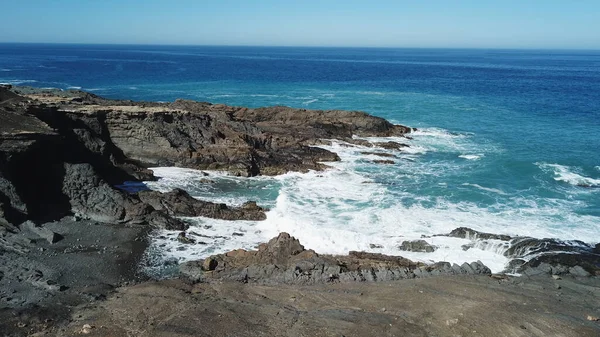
x=471, y=156
x=16, y=82
x=488, y=189
x=570, y=175
x=349, y=208
x=439, y=140
x=263, y=95
x=338, y=212
x=310, y=101
x=201, y=183
x=439, y=133
x=6, y=70
x=212, y=237
x=74, y=87
x=377, y=93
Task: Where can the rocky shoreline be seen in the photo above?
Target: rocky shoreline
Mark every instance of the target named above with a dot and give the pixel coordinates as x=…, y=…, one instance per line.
x=70, y=239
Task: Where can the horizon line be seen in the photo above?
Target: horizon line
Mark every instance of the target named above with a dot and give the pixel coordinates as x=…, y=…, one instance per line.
x=295, y=46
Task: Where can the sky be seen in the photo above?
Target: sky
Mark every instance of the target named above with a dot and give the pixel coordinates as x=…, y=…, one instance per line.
x=569, y=24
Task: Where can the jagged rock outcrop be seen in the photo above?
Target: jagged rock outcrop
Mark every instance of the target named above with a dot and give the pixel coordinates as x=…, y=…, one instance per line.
x=92, y=198
x=553, y=256
x=178, y=202
x=539, y=256
x=198, y=135
x=63, y=151
x=284, y=260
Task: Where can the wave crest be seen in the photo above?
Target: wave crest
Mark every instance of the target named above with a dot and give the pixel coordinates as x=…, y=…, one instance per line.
x=569, y=175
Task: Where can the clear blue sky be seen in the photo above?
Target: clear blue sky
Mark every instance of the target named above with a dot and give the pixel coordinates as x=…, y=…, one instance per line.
x=385, y=23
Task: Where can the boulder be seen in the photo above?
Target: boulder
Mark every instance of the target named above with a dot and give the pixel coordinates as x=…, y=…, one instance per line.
x=417, y=246
x=41, y=232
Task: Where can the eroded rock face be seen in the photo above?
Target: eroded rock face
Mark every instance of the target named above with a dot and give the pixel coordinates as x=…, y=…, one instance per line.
x=284, y=260
x=92, y=198
x=242, y=141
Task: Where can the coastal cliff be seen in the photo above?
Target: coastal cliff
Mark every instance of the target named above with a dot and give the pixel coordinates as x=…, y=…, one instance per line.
x=68, y=234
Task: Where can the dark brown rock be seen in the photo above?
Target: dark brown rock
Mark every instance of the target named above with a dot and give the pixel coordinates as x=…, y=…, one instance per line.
x=388, y=162
x=380, y=154
x=284, y=260
x=468, y=233
x=391, y=145
x=179, y=203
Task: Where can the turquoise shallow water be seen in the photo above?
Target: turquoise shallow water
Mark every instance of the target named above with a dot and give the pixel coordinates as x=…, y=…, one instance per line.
x=508, y=140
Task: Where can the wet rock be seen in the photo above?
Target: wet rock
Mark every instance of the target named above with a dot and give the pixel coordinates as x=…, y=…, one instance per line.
x=514, y=265
x=179, y=203
x=522, y=247
x=182, y=237
x=417, y=246
x=471, y=234
x=389, y=162
x=251, y=206
x=375, y=246
x=391, y=145
x=380, y=154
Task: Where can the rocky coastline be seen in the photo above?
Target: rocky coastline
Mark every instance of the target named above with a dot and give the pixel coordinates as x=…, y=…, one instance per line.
x=71, y=241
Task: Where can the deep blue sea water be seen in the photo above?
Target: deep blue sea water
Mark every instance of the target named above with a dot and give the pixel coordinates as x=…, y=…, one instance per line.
x=508, y=140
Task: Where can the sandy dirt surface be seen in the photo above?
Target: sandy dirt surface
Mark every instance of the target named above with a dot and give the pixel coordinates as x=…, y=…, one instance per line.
x=436, y=306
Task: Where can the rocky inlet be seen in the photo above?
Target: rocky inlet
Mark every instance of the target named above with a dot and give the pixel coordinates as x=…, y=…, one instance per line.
x=71, y=242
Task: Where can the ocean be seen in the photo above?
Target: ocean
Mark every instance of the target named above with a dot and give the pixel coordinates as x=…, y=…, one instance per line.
x=508, y=141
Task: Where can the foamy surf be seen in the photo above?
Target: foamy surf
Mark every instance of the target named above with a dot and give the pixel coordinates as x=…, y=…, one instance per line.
x=569, y=175
x=361, y=205
x=471, y=156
